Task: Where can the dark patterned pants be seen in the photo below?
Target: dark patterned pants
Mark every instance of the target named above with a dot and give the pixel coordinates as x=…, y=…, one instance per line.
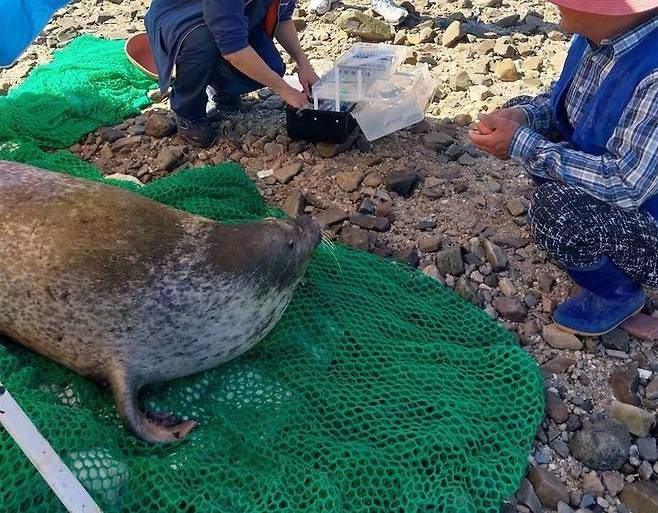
x=578, y=230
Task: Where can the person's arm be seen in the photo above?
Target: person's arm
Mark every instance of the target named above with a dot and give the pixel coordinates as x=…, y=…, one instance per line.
x=624, y=176
x=538, y=114
x=251, y=64
x=228, y=25
x=533, y=113
x=286, y=35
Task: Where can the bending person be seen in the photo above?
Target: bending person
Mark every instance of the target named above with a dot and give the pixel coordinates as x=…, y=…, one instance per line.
x=225, y=44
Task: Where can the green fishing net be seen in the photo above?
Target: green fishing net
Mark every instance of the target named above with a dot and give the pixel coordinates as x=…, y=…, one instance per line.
x=378, y=391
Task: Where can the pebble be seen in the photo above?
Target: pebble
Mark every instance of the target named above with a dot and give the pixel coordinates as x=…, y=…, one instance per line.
x=548, y=488
x=516, y=207
x=637, y=421
x=449, y=261
x=561, y=448
x=645, y=470
x=533, y=63
x=429, y=244
x=286, y=173
x=402, y=183
x=617, y=340
x=350, y=180
x=368, y=222
x=504, y=50
x=614, y=482
x=592, y=485
x=110, y=134
x=506, y=71
x=625, y=383
x=507, y=286
x=166, y=160
x=641, y=497
x=453, y=34
x=574, y=423
x=356, y=237
x=651, y=391
x=642, y=326
x=558, y=365
x=160, y=124
x=438, y=141
x=460, y=82
x=467, y=291
x=647, y=449
x=494, y=255
x=556, y=408
x=604, y=445
x=587, y=501
x=367, y=207
x=556, y=337
x=330, y=216
x=563, y=508
x=527, y=496
x=294, y=204
x=510, y=308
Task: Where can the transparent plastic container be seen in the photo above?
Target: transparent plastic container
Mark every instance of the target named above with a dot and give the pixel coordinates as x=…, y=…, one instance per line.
x=396, y=103
x=363, y=67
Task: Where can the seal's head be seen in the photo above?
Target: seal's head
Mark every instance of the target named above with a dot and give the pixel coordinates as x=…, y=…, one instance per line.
x=272, y=252
x=290, y=244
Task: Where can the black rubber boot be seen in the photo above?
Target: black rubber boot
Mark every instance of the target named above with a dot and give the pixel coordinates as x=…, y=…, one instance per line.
x=198, y=133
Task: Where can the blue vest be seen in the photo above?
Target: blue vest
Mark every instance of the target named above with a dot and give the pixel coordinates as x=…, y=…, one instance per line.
x=603, y=113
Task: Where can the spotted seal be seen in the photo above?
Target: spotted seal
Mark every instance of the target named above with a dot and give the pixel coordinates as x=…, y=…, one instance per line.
x=128, y=291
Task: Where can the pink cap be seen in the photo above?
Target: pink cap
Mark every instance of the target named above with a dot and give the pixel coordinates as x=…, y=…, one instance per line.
x=609, y=7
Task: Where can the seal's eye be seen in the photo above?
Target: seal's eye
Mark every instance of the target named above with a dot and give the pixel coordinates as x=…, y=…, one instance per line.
x=291, y=244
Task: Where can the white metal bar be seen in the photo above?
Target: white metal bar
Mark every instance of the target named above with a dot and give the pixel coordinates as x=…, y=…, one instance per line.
x=40, y=453
x=359, y=83
x=337, y=88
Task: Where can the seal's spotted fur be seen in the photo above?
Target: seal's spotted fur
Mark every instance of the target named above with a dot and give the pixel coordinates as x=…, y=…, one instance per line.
x=128, y=291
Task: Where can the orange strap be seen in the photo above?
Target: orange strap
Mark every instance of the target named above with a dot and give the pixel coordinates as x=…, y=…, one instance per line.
x=272, y=18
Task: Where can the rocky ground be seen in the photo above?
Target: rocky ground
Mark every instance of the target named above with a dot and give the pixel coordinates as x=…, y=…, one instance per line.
x=425, y=196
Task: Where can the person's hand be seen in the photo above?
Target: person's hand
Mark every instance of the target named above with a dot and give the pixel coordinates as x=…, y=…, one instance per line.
x=513, y=114
x=307, y=76
x=293, y=97
x=494, y=135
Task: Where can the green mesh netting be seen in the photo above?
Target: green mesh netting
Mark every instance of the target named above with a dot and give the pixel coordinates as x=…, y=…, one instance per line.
x=379, y=390
x=84, y=87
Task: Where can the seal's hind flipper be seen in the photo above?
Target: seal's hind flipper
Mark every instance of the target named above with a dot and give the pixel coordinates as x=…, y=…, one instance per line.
x=145, y=427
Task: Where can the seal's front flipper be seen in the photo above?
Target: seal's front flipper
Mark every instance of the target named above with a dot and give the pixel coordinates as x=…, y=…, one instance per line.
x=145, y=427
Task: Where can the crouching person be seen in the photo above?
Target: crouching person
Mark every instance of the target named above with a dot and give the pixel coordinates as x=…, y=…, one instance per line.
x=595, y=209
x=227, y=45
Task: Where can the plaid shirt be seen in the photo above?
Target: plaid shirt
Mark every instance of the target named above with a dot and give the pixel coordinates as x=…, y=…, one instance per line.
x=627, y=174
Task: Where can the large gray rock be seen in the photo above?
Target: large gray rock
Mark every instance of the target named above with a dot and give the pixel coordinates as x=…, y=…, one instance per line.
x=604, y=445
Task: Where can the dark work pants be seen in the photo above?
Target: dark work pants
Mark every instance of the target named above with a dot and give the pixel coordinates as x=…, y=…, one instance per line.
x=199, y=65
x=578, y=230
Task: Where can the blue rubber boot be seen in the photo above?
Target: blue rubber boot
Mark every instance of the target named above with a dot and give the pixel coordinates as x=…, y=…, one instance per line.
x=608, y=297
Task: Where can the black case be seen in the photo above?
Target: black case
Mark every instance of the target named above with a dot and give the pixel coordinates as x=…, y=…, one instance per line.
x=320, y=125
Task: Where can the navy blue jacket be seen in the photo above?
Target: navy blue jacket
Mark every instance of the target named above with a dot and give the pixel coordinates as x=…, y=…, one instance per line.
x=168, y=22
